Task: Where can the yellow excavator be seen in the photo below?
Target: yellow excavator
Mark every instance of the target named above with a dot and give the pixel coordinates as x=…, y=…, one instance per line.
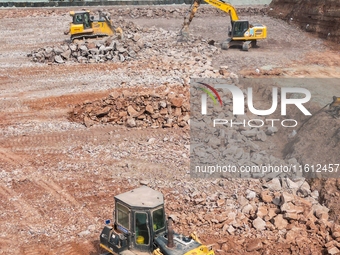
x=141, y=228
x=85, y=26
x=242, y=32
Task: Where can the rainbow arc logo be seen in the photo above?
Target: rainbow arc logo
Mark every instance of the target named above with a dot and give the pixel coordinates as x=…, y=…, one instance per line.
x=212, y=93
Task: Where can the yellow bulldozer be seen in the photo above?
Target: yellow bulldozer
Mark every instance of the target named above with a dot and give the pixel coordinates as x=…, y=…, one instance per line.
x=242, y=32
x=85, y=26
x=140, y=227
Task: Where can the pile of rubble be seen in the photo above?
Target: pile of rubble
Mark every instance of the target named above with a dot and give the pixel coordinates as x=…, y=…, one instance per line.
x=284, y=212
x=87, y=52
x=138, y=43
x=94, y=50
x=135, y=11
x=157, y=12
x=136, y=109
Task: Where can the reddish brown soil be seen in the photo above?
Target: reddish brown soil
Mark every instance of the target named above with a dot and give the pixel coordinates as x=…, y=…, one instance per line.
x=56, y=178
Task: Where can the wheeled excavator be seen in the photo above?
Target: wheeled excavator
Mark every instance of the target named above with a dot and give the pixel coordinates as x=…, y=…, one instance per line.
x=242, y=32
x=140, y=227
x=85, y=26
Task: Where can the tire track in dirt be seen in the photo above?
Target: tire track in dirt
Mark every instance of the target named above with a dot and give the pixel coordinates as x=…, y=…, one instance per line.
x=75, y=249
x=54, y=143
x=35, y=250
x=56, y=139
x=58, y=191
x=65, y=101
x=29, y=213
x=57, y=143
x=65, y=249
x=10, y=158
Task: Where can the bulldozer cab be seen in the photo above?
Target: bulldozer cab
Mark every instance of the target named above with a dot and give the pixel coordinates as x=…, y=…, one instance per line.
x=81, y=18
x=140, y=215
x=140, y=228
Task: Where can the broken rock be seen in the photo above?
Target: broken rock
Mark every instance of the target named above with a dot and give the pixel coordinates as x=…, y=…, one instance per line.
x=259, y=224
x=274, y=184
x=254, y=245
x=279, y=222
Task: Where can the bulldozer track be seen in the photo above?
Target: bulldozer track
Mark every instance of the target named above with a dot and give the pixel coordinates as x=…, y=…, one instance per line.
x=77, y=37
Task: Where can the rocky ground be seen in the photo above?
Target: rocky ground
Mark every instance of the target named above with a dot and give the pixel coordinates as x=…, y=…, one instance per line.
x=84, y=121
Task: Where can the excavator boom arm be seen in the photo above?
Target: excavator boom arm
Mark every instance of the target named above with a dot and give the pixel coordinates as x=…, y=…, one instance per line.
x=217, y=3
x=224, y=7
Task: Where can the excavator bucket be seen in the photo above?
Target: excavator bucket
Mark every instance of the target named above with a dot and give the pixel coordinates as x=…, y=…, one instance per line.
x=184, y=33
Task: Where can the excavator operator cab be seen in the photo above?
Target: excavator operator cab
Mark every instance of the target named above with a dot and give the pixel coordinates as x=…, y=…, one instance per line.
x=139, y=216
x=239, y=27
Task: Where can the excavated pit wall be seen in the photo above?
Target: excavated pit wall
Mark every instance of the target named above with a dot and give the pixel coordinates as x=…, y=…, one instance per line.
x=321, y=17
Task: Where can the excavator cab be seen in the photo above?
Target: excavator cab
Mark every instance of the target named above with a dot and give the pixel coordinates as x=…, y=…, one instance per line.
x=140, y=227
x=239, y=28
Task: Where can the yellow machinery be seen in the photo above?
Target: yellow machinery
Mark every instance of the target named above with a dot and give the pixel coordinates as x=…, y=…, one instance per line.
x=84, y=26
x=335, y=107
x=242, y=33
x=335, y=103
x=140, y=228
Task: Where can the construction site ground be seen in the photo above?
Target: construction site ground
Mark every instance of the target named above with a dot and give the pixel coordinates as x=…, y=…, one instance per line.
x=58, y=178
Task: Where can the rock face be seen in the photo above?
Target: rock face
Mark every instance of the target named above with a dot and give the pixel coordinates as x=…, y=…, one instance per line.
x=320, y=17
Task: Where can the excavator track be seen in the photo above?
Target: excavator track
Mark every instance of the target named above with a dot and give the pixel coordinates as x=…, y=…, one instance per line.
x=246, y=45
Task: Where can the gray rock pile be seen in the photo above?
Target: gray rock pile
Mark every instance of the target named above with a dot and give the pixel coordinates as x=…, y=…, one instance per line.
x=94, y=50
x=136, y=109
x=276, y=212
x=149, y=45
x=165, y=11
x=134, y=11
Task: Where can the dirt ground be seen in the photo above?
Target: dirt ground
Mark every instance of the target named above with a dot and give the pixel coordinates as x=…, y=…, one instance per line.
x=58, y=178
